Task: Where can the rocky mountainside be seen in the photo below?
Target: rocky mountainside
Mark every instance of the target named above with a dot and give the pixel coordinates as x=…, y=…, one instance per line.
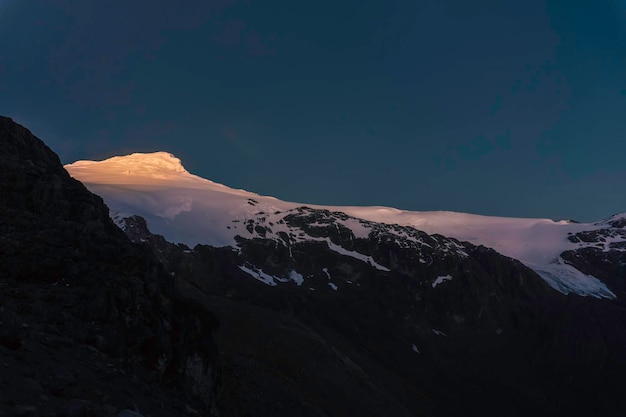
x=602, y=253
x=323, y=312
x=324, y=321
x=90, y=323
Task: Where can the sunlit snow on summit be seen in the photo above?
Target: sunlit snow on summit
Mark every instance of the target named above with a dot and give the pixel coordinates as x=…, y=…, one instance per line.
x=192, y=210
x=143, y=168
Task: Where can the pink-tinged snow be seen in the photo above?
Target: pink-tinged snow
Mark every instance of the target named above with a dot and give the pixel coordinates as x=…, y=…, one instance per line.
x=441, y=279
x=189, y=209
x=365, y=258
x=325, y=270
x=537, y=243
x=181, y=206
x=259, y=275
x=271, y=280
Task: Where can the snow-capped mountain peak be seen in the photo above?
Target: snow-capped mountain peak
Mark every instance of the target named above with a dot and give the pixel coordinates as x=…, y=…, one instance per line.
x=189, y=209
x=147, y=166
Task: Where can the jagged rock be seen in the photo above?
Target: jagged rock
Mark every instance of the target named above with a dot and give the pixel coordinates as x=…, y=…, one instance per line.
x=317, y=320
x=70, y=270
x=602, y=253
x=427, y=325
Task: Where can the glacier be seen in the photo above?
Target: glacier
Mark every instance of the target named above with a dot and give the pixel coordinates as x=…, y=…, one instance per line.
x=189, y=209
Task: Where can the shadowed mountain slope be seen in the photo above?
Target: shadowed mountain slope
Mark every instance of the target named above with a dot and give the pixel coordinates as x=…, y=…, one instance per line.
x=90, y=323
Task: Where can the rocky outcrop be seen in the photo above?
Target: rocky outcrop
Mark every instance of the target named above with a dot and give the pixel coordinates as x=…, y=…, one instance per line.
x=79, y=299
x=322, y=314
x=602, y=253
x=320, y=321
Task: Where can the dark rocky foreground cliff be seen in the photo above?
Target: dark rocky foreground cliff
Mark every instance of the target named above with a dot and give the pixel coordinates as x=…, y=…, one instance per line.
x=416, y=325
x=90, y=323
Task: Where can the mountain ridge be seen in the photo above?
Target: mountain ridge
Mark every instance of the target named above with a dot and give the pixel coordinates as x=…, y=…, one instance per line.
x=192, y=210
x=364, y=318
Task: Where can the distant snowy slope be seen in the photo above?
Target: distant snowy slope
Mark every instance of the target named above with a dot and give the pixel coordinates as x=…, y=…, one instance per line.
x=189, y=209
x=537, y=243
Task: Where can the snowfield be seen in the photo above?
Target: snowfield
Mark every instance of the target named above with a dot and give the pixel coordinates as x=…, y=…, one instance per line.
x=188, y=209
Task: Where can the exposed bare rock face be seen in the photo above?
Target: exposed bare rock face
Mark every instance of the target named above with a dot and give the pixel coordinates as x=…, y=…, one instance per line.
x=321, y=313
x=602, y=253
x=90, y=323
x=395, y=323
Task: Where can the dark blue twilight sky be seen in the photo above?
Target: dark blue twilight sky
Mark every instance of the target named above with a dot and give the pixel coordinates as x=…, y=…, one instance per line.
x=493, y=107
